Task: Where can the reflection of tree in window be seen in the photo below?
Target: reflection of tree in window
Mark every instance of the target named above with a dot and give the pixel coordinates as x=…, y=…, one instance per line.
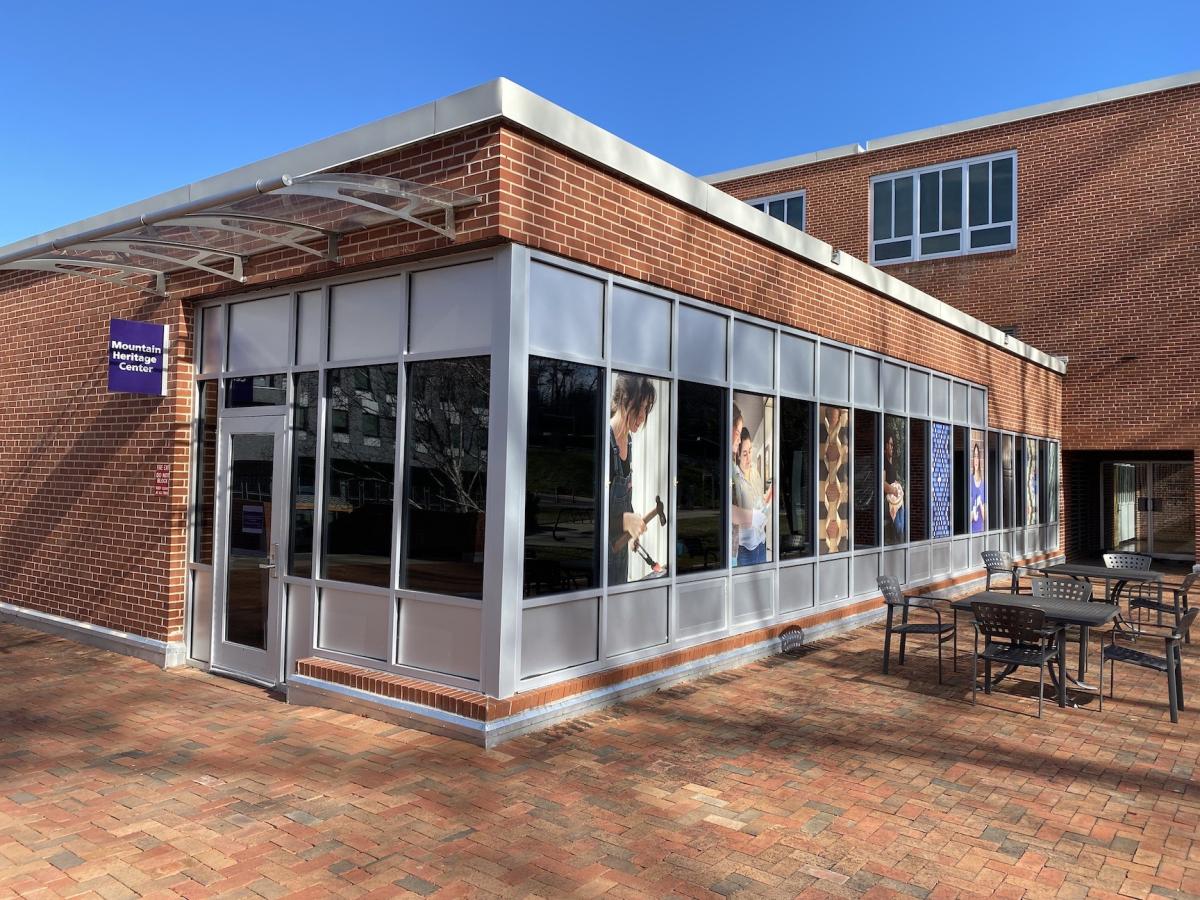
x=360, y=476
x=446, y=476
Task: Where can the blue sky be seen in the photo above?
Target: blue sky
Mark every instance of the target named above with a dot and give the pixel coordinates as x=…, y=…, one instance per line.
x=108, y=103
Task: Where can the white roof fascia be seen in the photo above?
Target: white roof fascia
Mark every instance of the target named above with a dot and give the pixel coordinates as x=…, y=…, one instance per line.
x=1002, y=118
x=503, y=99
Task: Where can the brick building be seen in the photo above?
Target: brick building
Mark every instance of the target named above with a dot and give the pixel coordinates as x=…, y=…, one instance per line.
x=1088, y=247
x=478, y=416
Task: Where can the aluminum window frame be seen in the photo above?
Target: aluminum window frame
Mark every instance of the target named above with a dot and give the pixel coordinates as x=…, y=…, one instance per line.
x=765, y=203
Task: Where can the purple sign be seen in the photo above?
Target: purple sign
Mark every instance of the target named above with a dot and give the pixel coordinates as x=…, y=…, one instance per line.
x=137, y=357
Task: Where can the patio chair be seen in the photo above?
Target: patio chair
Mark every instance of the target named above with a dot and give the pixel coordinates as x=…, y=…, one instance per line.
x=1147, y=597
x=943, y=631
x=1171, y=662
x=1140, y=561
x=1013, y=636
x=999, y=563
x=1064, y=589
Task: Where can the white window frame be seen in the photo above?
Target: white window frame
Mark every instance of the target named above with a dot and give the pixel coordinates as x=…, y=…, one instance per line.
x=790, y=195
x=965, y=229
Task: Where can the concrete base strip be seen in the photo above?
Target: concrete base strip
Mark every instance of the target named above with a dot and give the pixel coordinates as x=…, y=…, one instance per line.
x=166, y=654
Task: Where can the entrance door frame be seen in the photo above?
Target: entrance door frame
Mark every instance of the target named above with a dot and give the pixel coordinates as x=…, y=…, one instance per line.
x=1151, y=477
x=263, y=667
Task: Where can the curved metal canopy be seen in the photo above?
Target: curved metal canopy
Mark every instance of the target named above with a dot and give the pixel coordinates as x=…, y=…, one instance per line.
x=308, y=214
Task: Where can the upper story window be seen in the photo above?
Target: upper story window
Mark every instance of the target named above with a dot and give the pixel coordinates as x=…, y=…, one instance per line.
x=968, y=206
x=788, y=208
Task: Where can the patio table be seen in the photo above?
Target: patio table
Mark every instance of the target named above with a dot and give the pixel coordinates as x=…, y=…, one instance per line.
x=1058, y=612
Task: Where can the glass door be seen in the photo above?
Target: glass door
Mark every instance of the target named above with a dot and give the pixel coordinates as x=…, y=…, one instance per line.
x=247, y=633
x=1172, y=510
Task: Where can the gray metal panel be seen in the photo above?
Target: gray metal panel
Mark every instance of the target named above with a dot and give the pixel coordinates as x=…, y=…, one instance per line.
x=833, y=580
x=753, y=356
x=701, y=349
x=353, y=623
x=958, y=404
x=202, y=615
x=559, y=637
x=299, y=636
x=834, y=365
x=258, y=334
x=895, y=390
x=978, y=407
x=960, y=557
x=635, y=620
x=866, y=380
x=440, y=637
x=566, y=312
x=796, y=588
x=978, y=545
x=365, y=318
x=894, y=564
x=939, y=403
x=212, y=339
x=918, y=393
x=918, y=562
x=939, y=558
x=993, y=541
x=641, y=329
x=308, y=328
x=700, y=607
x=451, y=308
x=797, y=357
x=865, y=570
x=752, y=595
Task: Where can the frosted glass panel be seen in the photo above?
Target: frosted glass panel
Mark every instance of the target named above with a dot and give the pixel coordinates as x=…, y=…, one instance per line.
x=894, y=392
x=701, y=344
x=796, y=357
x=753, y=355
x=940, y=398
x=866, y=380
x=835, y=373
x=258, y=334
x=452, y=308
x=212, y=339
x=566, y=312
x=641, y=329
x=978, y=407
x=958, y=394
x=308, y=328
x=918, y=393
x=365, y=319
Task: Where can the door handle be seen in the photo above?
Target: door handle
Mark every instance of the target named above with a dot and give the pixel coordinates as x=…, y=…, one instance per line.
x=270, y=564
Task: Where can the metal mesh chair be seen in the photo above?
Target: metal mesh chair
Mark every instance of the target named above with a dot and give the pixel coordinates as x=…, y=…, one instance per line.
x=895, y=599
x=1064, y=589
x=1140, y=561
x=1013, y=636
x=1152, y=598
x=1170, y=663
x=999, y=563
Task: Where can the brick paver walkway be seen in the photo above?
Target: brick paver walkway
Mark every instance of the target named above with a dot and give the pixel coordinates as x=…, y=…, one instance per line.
x=811, y=775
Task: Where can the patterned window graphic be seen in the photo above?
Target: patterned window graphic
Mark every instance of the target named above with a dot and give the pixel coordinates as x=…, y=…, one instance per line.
x=834, y=510
x=940, y=492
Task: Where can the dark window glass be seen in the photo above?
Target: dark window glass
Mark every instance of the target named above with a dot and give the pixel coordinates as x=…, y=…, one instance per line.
x=943, y=243
x=360, y=473
x=206, y=473
x=881, y=228
x=918, y=495
x=795, y=212
x=991, y=237
x=796, y=478
x=256, y=390
x=562, y=470
x=930, y=202
x=893, y=250
x=776, y=209
x=904, y=206
x=1002, y=190
x=995, y=493
x=866, y=479
x=952, y=198
x=977, y=176
x=248, y=584
x=446, y=476
x=304, y=473
x=895, y=480
x=700, y=502
x=370, y=424
x=1008, y=476
x=959, y=493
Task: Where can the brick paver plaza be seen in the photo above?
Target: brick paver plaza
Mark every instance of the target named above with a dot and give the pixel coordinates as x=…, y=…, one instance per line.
x=808, y=774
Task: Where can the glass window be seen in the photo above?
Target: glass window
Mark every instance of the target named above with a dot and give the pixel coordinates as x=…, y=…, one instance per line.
x=787, y=208
x=993, y=469
x=895, y=480
x=1052, y=481
x=206, y=472
x=359, y=478
x=940, y=203
x=639, y=443
x=1008, y=479
x=752, y=442
x=700, y=459
x=1031, y=481
x=562, y=472
x=918, y=495
x=256, y=390
x=866, y=479
x=304, y=473
x=941, y=479
x=445, y=476
x=833, y=475
x=795, y=478
x=977, y=484
x=958, y=491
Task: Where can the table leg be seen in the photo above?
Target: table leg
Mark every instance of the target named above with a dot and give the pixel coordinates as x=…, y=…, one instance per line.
x=1062, y=668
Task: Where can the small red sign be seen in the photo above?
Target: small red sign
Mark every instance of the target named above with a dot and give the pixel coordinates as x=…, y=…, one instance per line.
x=162, y=480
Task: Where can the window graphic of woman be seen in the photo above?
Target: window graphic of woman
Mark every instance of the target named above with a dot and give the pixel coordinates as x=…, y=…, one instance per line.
x=632, y=400
x=896, y=524
x=751, y=537
x=978, y=490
